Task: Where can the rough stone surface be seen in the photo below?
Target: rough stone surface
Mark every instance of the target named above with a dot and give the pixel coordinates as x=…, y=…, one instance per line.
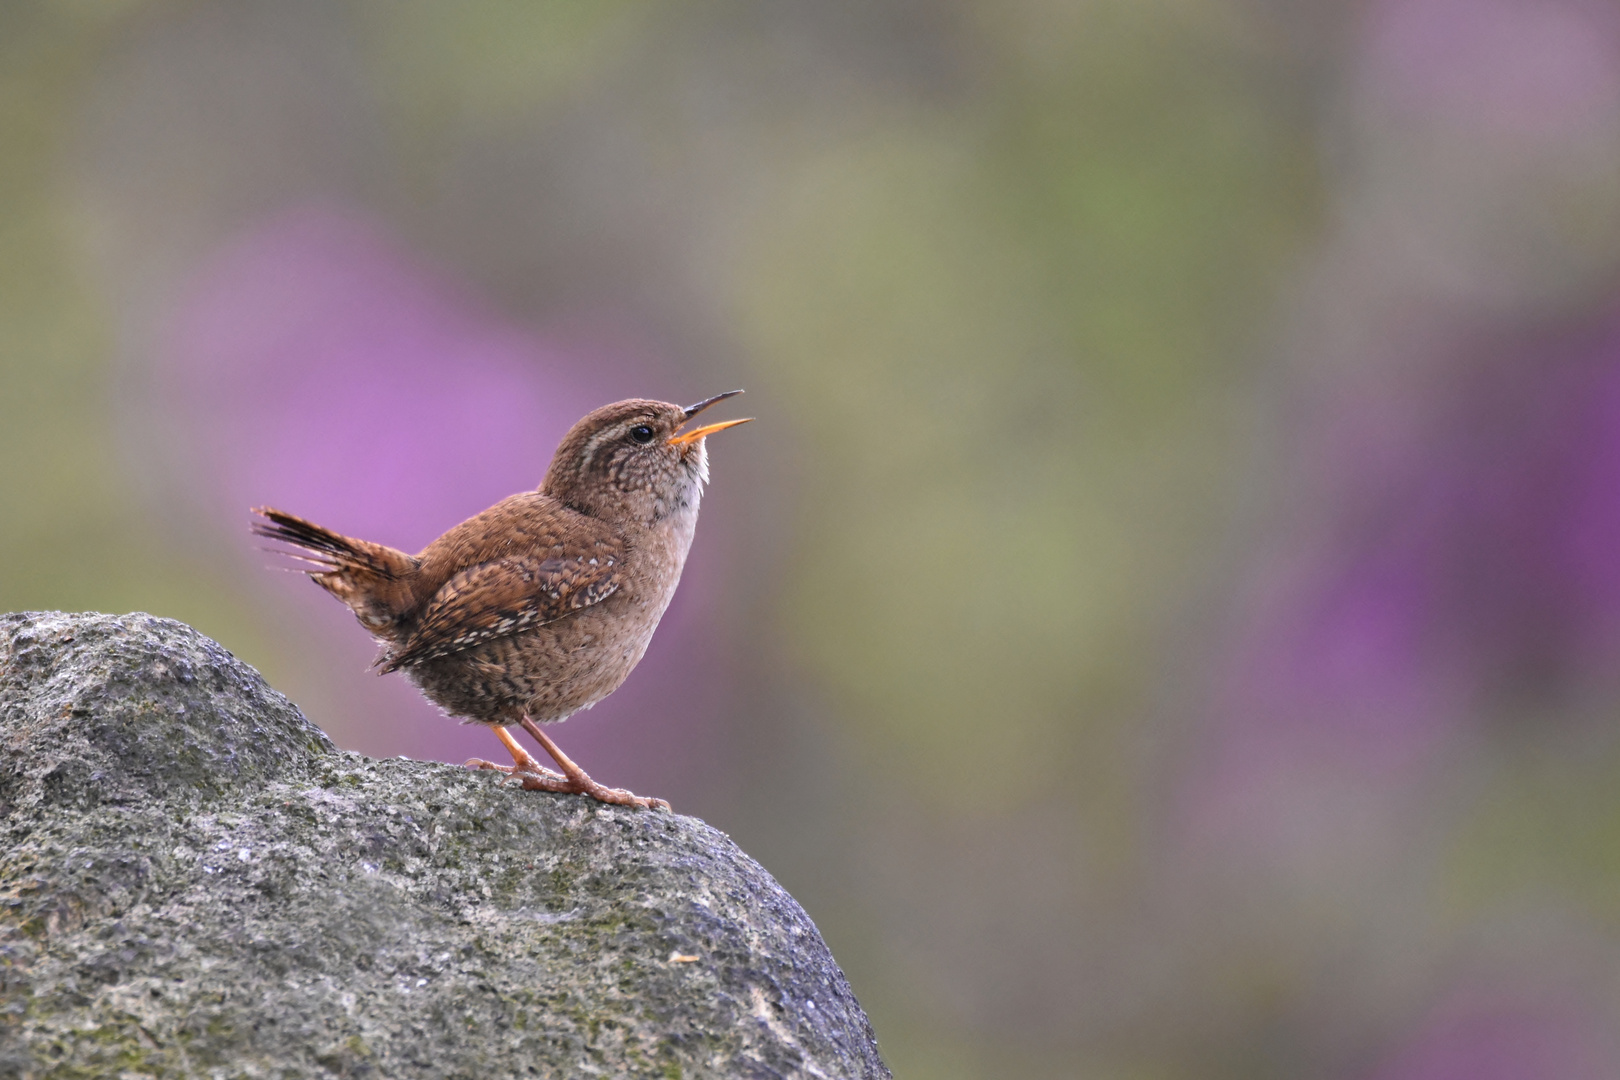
x=195, y=882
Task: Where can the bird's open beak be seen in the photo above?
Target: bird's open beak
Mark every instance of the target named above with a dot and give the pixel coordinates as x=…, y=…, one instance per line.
x=684, y=437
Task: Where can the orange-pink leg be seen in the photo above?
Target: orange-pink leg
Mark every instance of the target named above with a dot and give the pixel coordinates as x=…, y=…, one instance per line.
x=578, y=782
x=524, y=764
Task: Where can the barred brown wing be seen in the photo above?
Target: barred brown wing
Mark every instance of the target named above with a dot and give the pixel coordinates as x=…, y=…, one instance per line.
x=509, y=595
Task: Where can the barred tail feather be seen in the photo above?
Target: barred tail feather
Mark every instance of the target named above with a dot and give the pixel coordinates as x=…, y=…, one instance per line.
x=333, y=552
x=375, y=581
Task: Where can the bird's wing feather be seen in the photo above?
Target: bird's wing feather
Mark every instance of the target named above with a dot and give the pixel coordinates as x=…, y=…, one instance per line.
x=511, y=594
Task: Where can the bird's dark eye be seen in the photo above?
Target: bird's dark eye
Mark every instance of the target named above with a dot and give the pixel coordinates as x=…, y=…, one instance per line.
x=642, y=434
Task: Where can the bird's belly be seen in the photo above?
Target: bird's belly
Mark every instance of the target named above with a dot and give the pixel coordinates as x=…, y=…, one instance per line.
x=548, y=672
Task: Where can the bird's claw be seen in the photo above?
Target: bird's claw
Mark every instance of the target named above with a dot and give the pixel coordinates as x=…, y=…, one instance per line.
x=584, y=785
x=540, y=778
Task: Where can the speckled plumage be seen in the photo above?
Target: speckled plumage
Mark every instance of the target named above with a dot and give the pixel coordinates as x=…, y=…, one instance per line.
x=543, y=604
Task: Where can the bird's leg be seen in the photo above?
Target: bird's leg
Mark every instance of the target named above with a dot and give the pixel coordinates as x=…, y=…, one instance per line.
x=525, y=760
x=582, y=784
x=525, y=766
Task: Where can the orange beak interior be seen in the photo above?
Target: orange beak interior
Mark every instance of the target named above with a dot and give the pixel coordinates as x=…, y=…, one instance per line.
x=684, y=437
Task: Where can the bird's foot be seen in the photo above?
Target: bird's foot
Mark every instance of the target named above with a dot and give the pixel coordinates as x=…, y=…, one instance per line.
x=541, y=778
x=576, y=781
x=533, y=771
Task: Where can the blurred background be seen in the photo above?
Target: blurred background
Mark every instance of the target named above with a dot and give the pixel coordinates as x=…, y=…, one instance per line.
x=1165, y=621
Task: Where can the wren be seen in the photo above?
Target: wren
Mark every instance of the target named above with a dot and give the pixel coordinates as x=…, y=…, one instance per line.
x=543, y=604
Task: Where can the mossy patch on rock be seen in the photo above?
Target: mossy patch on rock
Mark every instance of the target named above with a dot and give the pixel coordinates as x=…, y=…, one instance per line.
x=195, y=882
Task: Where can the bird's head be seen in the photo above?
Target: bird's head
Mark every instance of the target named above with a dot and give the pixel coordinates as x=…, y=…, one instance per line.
x=632, y=460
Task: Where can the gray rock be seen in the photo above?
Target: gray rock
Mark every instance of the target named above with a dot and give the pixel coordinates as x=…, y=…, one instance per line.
x=196, y=882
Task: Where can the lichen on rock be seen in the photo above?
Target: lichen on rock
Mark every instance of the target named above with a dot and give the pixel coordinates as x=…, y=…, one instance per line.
x=195, y=882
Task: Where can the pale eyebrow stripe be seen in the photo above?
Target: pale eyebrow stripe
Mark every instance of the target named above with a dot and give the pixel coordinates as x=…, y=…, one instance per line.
x=595, y=442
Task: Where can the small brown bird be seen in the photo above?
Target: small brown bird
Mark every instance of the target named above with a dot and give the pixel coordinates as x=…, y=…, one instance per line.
x=541, y=605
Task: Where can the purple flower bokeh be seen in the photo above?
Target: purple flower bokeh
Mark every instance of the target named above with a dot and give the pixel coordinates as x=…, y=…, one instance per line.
x=315, y=366
x=1473, y=1037
x=1431, y=589
x=1520, y=68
